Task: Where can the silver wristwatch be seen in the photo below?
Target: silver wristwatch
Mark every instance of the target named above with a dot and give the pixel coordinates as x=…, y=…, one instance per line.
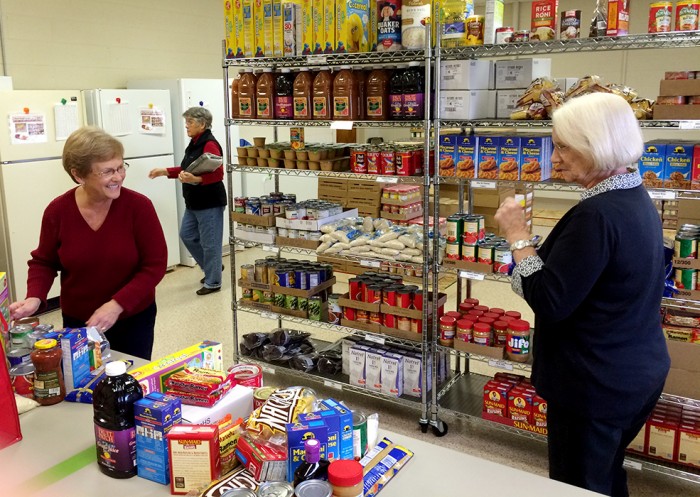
x=521, y=244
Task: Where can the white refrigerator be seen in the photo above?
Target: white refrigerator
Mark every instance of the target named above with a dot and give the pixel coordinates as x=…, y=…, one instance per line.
x=140, y=119
x=186, y=93
x=35, y=125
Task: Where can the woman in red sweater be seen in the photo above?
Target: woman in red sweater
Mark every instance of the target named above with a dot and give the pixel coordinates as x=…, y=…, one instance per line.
x=108, y=245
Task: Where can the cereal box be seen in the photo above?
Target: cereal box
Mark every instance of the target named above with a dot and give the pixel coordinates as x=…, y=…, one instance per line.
x=76, y=358
x=194, y=457
x=488, y=156
x=509, y=162
x=651, y=164
x=258, y=26
x=317, y=18
x=248, y=28
x=679, y=165
x=618, y=17
x=448, y=154
x=268, y=33
x=329, y=26
x=466, y=156
x=292, y=33
x=543, y=22
x=308, y=36
x=352, y=26
x=277, y=29
x=297, y=433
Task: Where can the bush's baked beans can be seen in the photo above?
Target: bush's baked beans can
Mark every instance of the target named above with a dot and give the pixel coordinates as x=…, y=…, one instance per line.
x=246, y=294
x=660, y=17
x=687, y=14
x=686, y=279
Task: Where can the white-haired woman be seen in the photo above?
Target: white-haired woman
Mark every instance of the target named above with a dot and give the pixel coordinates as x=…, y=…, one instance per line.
x=202, y=225
x=595, y=285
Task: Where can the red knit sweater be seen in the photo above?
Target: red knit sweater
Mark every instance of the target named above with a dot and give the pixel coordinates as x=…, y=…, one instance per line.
x=124, y=260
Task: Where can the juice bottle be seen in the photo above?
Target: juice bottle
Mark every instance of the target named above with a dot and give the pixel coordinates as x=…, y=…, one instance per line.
x=361, y=76
x=115, y=433
x=265, y=94
x=322, y=91
x=377, y=100
x=284, y=98
x=345, y=95
x=49, y=387
x=303, y=84
x=396, y=94
x=413, y=92
x=235, y=110
x=313, y=467
x=246, y=95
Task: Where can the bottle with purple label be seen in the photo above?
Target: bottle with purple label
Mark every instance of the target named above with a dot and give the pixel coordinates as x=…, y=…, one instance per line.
x=313, y=467
x=396, y=93
x=115, y=432
x=413, y=92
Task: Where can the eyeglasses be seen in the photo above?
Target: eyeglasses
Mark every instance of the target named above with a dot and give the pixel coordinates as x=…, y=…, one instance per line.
x=560, y=148
x=108, y=173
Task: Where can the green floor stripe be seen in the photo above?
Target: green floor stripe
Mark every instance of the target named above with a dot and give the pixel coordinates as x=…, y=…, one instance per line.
x=60, y=470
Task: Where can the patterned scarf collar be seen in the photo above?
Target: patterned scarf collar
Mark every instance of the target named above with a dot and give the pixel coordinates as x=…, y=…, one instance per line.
x=623, y=181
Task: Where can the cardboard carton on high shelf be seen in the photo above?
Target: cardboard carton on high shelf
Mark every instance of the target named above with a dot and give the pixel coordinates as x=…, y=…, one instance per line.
x=247, y=9
x=673, y=88
x=230, y=32
x=679, y=87
x=292, y=44
x=467, y=75
x=506, y=102
x=511, y=74
x=468, y=104
x=329, y=26
x=352, y=26
x=152, y=376
x=258, y=26
x=277, y=29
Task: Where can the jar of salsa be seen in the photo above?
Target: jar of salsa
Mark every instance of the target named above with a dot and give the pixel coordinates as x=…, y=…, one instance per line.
x=49, y=388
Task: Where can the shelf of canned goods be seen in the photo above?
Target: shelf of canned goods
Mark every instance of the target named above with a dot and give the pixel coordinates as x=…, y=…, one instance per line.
x=335, y=59
x=325, y=174
x=630, y=42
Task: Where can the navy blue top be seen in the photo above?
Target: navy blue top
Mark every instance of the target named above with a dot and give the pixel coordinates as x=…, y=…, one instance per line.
x=598, y=345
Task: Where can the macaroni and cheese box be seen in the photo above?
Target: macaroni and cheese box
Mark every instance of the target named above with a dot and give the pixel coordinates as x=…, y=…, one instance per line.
x=535, y=157
x=466, y=156
x=297, y=433
x=332, y=421
x=344, y=426
x=352, y=26
x=76, y=358
x=152, y=376
x=154, y=417
x=268, y=30
x=509, y=158
x=678, y=168
x=277, y=29
x=651, y=164
x=448, y=154
x=247, y=9
x=488, y=157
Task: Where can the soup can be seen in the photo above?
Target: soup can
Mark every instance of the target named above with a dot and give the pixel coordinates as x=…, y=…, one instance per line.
x=686, y=279
x=660, y=17
x=359, y=434
x=22, y=378
x=239, y=204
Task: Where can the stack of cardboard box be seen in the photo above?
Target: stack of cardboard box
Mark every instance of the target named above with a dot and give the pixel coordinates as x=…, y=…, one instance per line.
x=486, y=201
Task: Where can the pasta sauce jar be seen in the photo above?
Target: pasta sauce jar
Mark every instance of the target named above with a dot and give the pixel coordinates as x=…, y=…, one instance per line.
x=49, y=388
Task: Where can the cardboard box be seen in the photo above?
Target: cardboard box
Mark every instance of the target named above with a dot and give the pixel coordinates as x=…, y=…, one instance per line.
x=248, y=28
x=496, y=397
x=618, y=17
x=651, y=164
x=154, y=418
x=194, y=457
x=677, y=112
x=661, y=436
x=476, y=349
x=76, y=358
x=292, y=31
x=448, y=154
x=467, y=75
x=265, y=464
x=297, y=433
x=678, y=87
x=268, y=32
x=344, y=426
x=485, y=197
x=373, y=370
x=520, y=404
x=519, y=73
x=467, y=104
x=329, y=26
x=493, y=20
x=689, y=444
x=543, y=20
x=536, y=158
x=678, y=168
x=510, y=158
x=684, y=377
x=239, y=217
x=466, y=160
x=392, y=374
x=238, y=402
x=506, y=101
x=277, y=29
x=352, y=26
x=487, y=156
x=332, y=422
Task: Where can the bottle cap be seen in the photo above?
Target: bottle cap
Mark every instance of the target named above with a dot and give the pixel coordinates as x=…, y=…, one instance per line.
x=45, y=344
x=344, y=473
x=312, y=450
x=115, y=368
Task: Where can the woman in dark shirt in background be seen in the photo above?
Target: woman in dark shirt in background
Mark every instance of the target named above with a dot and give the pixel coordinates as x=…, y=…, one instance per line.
x=595, y=285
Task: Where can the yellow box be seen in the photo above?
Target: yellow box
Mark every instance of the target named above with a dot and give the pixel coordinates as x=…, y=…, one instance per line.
x=248, y=28
x=373, y=20
x=351, y=26
x=277, y=28
x=329, y=26
x=229, y=35
x=268, y=33
x=318, y=22
x=259, y=21
x=307, y=26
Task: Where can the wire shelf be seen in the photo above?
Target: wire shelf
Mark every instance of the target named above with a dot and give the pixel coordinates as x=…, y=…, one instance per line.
x=325, y=124
x=540, y=124
x=329, y=59
x=417, y=180
x=503, y=364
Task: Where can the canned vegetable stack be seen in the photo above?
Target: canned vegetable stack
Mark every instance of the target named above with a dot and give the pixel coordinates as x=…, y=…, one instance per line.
x=686, y=247
x=468, y=241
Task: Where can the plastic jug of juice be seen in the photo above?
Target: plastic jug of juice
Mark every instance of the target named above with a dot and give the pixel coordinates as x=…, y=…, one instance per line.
x=303, y=84
x=413, y=92
x=377, y=100
x=235, y=110
x=345, y=95
x=265, y=94
x=361, y=76
x=284, y=98
x=396, y=93
x=246, y=95
x=322, y=94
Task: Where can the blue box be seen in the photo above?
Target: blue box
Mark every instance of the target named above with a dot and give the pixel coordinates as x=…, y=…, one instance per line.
x=297, y=433
x=332, y=420
x=344, y=426
x=510, y=158
x=76, y=358
x=678, y=167
x=448, y=154
x=467, y=148
x=155, y=415
x=536, y=158
x=488, y=157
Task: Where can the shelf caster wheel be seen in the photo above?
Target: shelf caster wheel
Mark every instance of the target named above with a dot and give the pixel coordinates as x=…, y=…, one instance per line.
x=440, y=429
x=424, y=426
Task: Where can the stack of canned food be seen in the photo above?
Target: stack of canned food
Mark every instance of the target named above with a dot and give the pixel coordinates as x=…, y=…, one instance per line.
x=273, y=204
x=686, y=247
x=468, y=241
x=312, y=210
x=287, y=273
x=22, y=337
x=388, y=159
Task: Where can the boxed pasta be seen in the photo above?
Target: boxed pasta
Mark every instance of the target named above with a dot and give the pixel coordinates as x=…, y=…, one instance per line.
x=543, y=22
x=651, y=164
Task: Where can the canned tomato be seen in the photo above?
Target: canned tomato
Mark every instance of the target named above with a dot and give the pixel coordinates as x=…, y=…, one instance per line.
x=22, y=379
x=452, y=251
x=486, y=253
x=387, y=162
x=358, y=160
x=473, y=229
x=685, y=246
x=686, y=279
x=239, y=204
x=260, y=395
x=660, y=16
x=502, y=258
x=470, y=253
x=453, y=232
x=504, y=35
x=687, y=16
x=373, y=158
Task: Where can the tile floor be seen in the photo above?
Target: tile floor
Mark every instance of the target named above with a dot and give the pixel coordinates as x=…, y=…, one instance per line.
x=185, y=318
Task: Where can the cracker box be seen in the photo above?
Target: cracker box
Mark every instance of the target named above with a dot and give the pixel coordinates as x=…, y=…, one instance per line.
x=264, y=462
x=678, y=168
x=448, y=154
x=618, y=17
x=76, y=358
x=488, y=157
x=352, y=26
x=651, y=164
x=154, y=416
x=695, y=185
x=689, y=444
x=392, y=374
x=344, y=426
x=509, y=158
x=328, y=26
x=277, y=29
x=373, y=370
x=332, y=421
x=247, y=9
x=297, y=433
x=268, y=30
x=543, y=23
x=194, y=457
x=466, y=156
x=152, y=376
x=496, y=397
x=535, y=157
x=520, y=404
x=661, y=436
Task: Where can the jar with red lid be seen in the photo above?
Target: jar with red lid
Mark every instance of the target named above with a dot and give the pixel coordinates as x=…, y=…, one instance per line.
x=483, y=308
x=482, y=334
x=500, y=333
x=447, y=331
x=513, y=314
x=346, y=478
x=497, y=310
x=490, y=314
x=454, y=314
x=49, y=387
x=518, y=342
x=471, y=301
x=475, y=313
x=506, y=318
x=465, y=307
x=464, y=330
x=485, y=320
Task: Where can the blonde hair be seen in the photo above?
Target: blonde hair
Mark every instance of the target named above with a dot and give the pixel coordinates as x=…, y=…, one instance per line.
x=603, y=128
x=86, y=146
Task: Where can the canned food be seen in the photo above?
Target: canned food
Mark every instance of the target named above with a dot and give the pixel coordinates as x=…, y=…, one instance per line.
x=473, y=229
x=387, y=162
x=349, y=313
x=374, y=294
x=403, y=323
x=660, y=17
x=502, y=259
x=246, y=294
x=452, y=251
x=687, y=16
x=313, y=488
x=453, y=232
x=22, y=379
x=389, y=320
x=275, y=489
x=373, y=158
x=261, y=275
x=504, y=35
x=359, y=434
x=361, y=316
x=291, y=302
x=260, y=395
x=334, y=310
x=247, y=272
x=252, y=206
x=238, y=492
x=404, y=161
x=18, y=356
x=521, y=36
x=313, y=279
x=300, y=280
x=486, y=253
x=248, y=375
x=404, y=298
x=685, y=246
x=284, y=277
x=470, y=252
x=358, y=160
x=686, y=279
x=315, y=308
x=19, y=334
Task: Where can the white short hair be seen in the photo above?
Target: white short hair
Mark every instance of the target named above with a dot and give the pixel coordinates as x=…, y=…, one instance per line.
x=603, y=128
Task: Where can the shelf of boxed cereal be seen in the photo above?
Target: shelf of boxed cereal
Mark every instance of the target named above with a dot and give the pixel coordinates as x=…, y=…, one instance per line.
x=335, y=59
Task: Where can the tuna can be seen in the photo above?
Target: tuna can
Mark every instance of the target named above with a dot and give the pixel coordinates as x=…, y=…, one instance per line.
x=315, y=308
x=18, y=356
x=248, y=272
x=22, y=379
x=275, y=489
x=260, y=395
x=359, y=434
x=504, y=35
x=334, y=310
x=686, y=279
x=313, y=488
x=502, y=258
x=453, y=232
x=685, y=246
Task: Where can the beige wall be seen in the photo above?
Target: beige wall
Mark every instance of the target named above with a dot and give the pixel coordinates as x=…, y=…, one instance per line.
x=66, y=44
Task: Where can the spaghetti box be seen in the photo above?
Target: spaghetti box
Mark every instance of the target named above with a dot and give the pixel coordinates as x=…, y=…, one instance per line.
x=332, y=421
x=264, y=462
x=678, y=168
x=373, y=370
x=466, y=75
x=76, y=358
x=238, y=402
x=154, y=417
x=519, y=73
x=536, y=158
x=448, y=154
x=297, y=433
x=344, y=426
x=488, y=157
x=392, y=374
x=152, y=376
x=194, y=456
x=509, y=153
x=466, y=156
x=651, y=164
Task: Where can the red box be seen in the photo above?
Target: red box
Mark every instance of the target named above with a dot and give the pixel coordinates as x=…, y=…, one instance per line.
x=689, y=444
x=618, y=17
x=513, y=378
x=543, y=21
x=695, y=185
x=539, y=411
x=264, y=462
x=188, y=446
x=496, y=397
x=640, y=443
x=662, y=437
x=520, y=404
